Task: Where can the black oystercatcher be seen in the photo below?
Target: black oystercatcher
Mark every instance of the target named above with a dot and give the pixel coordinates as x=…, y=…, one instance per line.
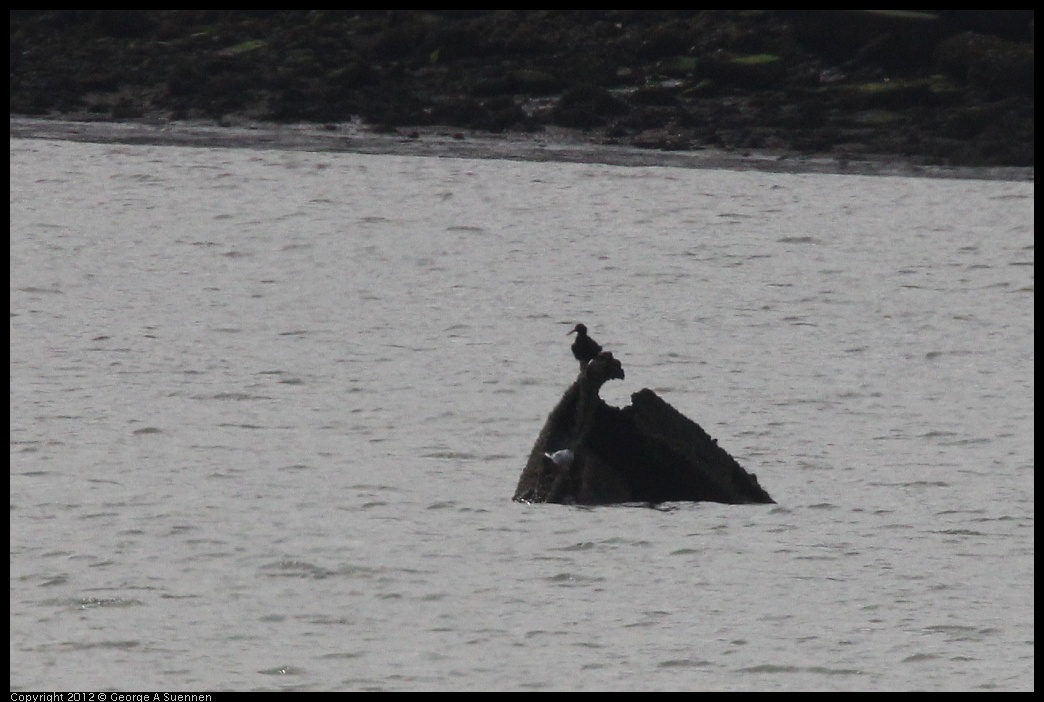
x=584, y=348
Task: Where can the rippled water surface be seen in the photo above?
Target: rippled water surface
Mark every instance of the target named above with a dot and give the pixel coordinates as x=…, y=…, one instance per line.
x=268, y=409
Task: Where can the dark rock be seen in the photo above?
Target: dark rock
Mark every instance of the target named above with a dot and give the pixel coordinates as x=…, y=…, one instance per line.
x=747, y=72
x=586, y=107
x=883, y=95
x=997, y=67
x=662, y=95
x=893, y=39
x=645, y=452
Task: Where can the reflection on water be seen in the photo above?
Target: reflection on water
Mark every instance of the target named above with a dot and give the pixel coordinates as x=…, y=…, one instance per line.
x=268, y=409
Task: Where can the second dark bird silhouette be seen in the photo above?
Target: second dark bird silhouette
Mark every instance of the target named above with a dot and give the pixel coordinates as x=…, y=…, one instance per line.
x=584, y=348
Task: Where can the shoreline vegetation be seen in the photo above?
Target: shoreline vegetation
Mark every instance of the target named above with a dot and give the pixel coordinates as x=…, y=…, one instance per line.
x=945, y=93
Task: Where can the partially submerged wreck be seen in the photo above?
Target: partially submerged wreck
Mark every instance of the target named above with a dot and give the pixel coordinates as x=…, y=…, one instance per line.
x=591, y=453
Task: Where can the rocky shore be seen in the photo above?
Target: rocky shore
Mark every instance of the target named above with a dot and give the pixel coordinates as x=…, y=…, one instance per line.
x=931, y=88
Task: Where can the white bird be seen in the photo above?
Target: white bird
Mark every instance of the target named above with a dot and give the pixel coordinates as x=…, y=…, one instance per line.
x=561, y=458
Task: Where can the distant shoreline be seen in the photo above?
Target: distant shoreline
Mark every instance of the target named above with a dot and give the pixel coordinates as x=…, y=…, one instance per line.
x=559, y=145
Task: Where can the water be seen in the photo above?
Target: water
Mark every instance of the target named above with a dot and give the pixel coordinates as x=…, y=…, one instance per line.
x=268, y=409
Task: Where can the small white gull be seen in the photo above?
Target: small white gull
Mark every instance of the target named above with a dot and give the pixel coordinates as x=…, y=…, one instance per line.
x=561, y=458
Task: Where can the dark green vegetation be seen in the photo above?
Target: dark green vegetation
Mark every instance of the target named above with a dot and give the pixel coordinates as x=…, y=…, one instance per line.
x=940, y=87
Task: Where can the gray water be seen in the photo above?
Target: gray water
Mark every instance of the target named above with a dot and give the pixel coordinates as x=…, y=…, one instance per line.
x=268, y=409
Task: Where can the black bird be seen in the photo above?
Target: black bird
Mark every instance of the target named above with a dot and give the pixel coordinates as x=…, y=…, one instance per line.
x=584, y=348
